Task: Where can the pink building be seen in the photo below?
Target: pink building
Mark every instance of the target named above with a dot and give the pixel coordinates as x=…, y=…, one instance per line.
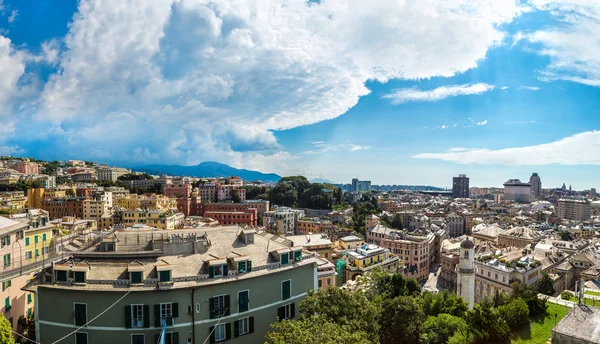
x=225, y=192
x=26, y=167
x=179, y=188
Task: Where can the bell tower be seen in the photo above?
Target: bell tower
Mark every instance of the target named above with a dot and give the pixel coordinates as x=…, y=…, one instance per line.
x=465, y=284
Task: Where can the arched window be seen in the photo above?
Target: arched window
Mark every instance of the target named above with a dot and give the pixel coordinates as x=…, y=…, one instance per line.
x=467, y=254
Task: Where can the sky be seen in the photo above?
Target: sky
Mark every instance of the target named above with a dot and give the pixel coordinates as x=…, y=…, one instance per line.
x=396, y=92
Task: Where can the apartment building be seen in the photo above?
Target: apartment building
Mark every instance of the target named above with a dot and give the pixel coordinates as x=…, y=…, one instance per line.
x=106, y=172
x=178, y=188
x=493, y=275
x=164, y=220
x=230, y=213
x=26, y=167
x=318, y=243
x=48, y=182
x=367, y=257
x=260, y=205
x=448, y=275
x=192, y=282
x=574, y=209
x=455, y=225
x=146, y=184
x=65, y=206
x=73, y=225
x=154, y=202
x=282, y=220
x=308, y=225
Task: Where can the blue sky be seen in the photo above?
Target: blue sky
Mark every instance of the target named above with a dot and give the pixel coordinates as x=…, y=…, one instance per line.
x=410, y=94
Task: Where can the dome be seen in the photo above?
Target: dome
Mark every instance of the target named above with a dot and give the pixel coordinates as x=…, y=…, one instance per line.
x=467, y=244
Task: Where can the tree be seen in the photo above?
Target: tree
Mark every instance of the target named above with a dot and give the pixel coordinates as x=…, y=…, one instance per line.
x=439, y=329
x=545, y=285
x=27, y=323
x=485, y=322
x=344, y=308
x=515, y=313
x=390, y=285
x=401, y=321
x=6, y=336
x=284, y=194
x=565, y=235
x=530, y=296
x=70, y=193
x=235, y=196
x=157, y=188
x=314, y=329
x=443, y=302
x=338, y=195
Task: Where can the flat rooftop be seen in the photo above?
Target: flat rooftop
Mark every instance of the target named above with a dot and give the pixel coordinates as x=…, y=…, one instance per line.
x=582, y=322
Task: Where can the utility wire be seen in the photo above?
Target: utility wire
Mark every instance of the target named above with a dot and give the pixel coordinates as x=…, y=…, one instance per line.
x=96, y=317
x=20, y=335
x=214, y=327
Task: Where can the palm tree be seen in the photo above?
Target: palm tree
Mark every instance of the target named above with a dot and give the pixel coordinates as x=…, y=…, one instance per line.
x=545, y=285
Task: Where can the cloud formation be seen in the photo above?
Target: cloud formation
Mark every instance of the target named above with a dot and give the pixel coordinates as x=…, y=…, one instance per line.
x=579, y=149
x=572, y=46
x=484, y=122
x=323, y=147
x=529, y=88
x=413, y=94
x=192, y=80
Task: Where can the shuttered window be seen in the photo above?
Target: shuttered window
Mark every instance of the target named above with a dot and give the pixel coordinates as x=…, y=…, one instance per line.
x=80, y=314
x=286, y=289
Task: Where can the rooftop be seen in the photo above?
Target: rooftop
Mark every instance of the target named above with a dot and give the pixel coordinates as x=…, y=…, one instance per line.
x=582, y=322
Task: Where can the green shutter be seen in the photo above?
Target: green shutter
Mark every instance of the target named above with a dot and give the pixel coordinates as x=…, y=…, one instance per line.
x=286, y=290
x=293, y=311
x=298, y=255
x=3, y=286
x=146, y=316
x=36, y=239
x=136, y=277
x=44, y=237
x=26, y=241
x=8, y=240
x=128, y=316
x=236, y=329
x=281, y=313
x=80, y=314
x=9, y=260
x=211, y=330
x=284, y=258
x=79, y=276
x=28, y=298
x=243, y=302
x=175, y=338
x=9, y=282
x=225, y=270
x=228, y=331
x=249, y=265
x=240, y=268
x=251, y=325
x=157, y=316
x=227, y=306
x=61, y=276
x=211, y=304
x=175, y=310
x=211, y=272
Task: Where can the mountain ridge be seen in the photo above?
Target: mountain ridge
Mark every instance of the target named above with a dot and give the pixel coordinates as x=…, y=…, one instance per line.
x=208, y=169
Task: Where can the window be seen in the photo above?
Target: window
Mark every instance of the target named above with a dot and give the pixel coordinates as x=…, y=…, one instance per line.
x=286, y=312
x=165, y=276
x=137, y=339
x=219, y=306
x=496, y=276
x=197, y=308
x=467, y=254
x=298, y=255
x=7, y=303
x=218, y=271
x=81, y=338
x=284, y=258
x=44, y=237
x=243, y=326
x=243, y=301
x=26, y=241
x=286, y=289
x=136, y=277
x=7, y=260
x=320, y=283
x=136, y=316
x=35, y=239
x=29, y=298
x=80, y=314
x=166, y=314
x=329, y=280
x=79, y=276
x=220, y=332
x=28, y=255
x=242, y=267
x=61, y=276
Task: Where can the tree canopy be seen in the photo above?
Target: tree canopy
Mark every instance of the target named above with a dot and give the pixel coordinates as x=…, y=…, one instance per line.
x=6, y=336
x=303, y=331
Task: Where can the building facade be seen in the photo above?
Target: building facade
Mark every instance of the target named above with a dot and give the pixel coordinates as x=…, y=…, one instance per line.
x=465, y=282
x=198, y=290
x=282, y=220
x=516, y=191
x=460, y=186
x=574, y=209
x=536, y=184
x=26, y=167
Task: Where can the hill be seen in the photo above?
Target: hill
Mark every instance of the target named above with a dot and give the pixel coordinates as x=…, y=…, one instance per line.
x=209, y=169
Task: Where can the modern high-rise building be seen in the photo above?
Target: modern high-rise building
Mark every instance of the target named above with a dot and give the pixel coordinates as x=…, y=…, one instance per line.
x=460, y=186
x=360, y=185
x=574, y=209
x=517, y=191
x=536, y=184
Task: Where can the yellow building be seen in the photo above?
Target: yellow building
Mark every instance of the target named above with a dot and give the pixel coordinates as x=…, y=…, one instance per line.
x=35, y=197
x=157, y=202
x=55, y=193
x=153, y=218
x=367, y=257
x=37, y=242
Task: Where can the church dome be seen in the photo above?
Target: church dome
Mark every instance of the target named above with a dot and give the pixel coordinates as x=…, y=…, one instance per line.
x=467, y=244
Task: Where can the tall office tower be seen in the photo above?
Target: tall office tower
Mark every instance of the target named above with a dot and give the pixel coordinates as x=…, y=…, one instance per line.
x=460, y=186
x=536, y=184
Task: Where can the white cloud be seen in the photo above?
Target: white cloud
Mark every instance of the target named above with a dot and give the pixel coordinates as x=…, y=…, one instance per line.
x=12, y=68
x=484, y=122
x=529, y=88
x=444, y=126
x=504, y=87
x=212, y=79
x=323, y=147
x=572, y=46
x=404, y=95
x=13, y=16
x=579, y=149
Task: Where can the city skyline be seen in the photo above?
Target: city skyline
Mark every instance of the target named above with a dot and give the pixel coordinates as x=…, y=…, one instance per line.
x=493, y=90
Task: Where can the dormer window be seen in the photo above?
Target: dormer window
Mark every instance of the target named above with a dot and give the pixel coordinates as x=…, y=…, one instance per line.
x=218, y=269
x=61, y=276
x=79, y=276
x=244, y=266
x=284, y=259
x=164, y=276
x=297, y=256
x=135, y=277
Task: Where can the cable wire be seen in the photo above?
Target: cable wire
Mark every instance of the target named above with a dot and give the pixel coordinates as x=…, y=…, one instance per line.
x=96, y=317
x=214, y=327
x=22, y=336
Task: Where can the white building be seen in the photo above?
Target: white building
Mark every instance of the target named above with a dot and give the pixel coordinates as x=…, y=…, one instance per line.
x=465, y=284
x=48, y=182
x=282, y=220
x=517, y=191
x=106, y=172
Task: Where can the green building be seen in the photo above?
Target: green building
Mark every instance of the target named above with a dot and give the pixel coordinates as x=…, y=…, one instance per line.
x=216, y=284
